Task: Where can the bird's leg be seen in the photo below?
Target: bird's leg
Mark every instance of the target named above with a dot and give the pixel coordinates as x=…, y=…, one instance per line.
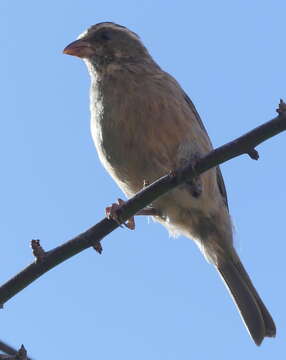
x=193, y=185
x=149, y=211
x=113, y=212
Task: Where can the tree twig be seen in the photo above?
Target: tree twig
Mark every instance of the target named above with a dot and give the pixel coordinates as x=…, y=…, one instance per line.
x=243, y=145
x=13, y=354
x=7, y=349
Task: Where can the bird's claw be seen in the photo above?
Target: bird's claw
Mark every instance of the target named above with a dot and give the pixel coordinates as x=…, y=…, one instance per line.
x=113, y=212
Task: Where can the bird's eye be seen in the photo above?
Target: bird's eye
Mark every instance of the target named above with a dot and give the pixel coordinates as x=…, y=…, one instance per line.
x=105, y=35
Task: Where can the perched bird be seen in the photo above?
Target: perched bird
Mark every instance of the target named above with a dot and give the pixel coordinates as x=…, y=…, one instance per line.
x=144, y=125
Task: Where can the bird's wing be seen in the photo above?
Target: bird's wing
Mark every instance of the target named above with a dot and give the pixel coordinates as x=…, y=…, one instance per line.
x=220, y=181
x=221, y=185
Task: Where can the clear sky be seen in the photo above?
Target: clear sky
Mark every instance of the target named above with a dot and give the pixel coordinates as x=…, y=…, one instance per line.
x=148, y=296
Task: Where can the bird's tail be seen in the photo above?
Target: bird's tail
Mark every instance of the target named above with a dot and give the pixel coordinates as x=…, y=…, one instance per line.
x=254, y=313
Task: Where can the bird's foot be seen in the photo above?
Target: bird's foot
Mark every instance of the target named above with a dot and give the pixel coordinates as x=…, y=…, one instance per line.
x=149, y=211
x=194, y=185
x=113, y=212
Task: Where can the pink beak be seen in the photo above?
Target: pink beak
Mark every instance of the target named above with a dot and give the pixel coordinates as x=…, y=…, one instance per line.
x=80, y=48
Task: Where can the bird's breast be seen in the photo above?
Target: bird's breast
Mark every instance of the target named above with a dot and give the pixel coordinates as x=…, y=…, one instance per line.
x=126, y=146
x=138, y=127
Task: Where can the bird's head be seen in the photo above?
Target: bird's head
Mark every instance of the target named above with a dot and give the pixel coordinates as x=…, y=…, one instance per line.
x=106, y=43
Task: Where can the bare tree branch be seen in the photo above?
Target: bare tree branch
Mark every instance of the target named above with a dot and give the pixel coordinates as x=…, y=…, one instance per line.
x=7, y=349
x=46, y=260
x=13, y=354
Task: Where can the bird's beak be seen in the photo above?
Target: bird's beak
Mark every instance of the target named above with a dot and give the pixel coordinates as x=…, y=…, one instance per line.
x=80, y=48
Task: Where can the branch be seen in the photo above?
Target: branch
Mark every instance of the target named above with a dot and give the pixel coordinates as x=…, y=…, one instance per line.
x=13, y=354
x=47, y=260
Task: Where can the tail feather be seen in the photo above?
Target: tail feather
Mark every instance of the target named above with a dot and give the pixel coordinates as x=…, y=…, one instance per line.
x=252, y=309
x=270, y=327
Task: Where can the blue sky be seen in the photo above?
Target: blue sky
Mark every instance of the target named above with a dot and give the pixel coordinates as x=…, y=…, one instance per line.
x=147, y=296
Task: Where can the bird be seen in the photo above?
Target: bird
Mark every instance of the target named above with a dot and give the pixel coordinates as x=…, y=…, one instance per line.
x=144, y=125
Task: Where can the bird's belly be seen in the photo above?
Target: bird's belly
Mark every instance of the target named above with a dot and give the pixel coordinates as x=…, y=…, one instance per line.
x=131, y=161
x=141, y=156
